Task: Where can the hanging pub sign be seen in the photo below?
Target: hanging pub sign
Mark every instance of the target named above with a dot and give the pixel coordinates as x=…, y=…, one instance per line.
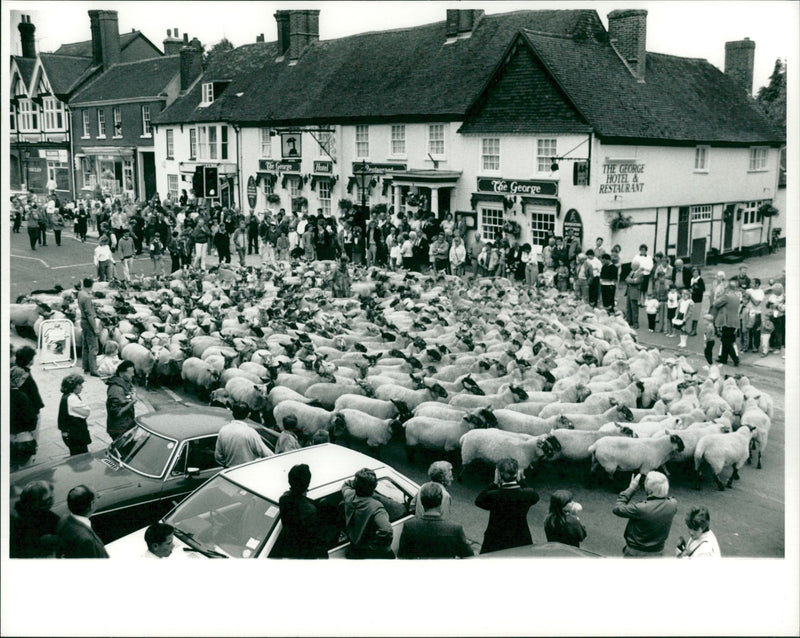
x=252, y=191
x=285, y=166
x=291, y=145
x=376, y=168
x=573, y=222
x=580, y=174
x=517, y=187
x=323, y=166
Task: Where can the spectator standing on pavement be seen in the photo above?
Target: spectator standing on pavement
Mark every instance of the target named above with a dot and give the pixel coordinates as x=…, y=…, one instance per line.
x=288, y=440
x=651, y=306
x=698, y=288
x=160, y=540
x=222, y=242
x=88, y=328
x=702, y=542
x=23, y=418
x=593, y=267
x=709, y=337
x=81, y=222
x=742, y=280
x=726, y=318
x=238, y=442
x=157, y=255
x=649, y=521
x=684, y=316
x=201, y=236
x=125, y=249
x=752, y=305
x=440, y=472
x=43, y=220
x=76, y=538
x=458, y=255
x=33, y=226
x=672, y=309
x=18, y=210
x=609, y=274
x=508, y=503
x=302, y=531
x=73, y=414
x=103, y=259
x=634, y=282
x=475, y=252
x=252, y=233
x=58, y=224
x=430, y=536
x=23, y=359
x=562, y=524
x=645, y=264
x=33, y=525
x=120, y=401
x=659, y=292
x=767, y=328
x=777, y=302
x=366, y=519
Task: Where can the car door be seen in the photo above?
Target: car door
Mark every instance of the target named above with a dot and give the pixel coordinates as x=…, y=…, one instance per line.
x=194, y=464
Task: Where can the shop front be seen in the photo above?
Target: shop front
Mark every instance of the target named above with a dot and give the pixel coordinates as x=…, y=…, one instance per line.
x=429, y=189
x=41, y=170
x=109, y=170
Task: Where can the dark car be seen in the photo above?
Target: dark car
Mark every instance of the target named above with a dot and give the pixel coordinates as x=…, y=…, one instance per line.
x=144, y=473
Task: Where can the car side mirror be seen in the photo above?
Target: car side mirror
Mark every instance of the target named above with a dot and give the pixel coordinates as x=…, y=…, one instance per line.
x=192, y=472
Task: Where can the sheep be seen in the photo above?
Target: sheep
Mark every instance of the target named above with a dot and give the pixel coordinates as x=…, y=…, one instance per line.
x=691, y=437
x=439, y=410
x=492, y=445
x=646, y=429
x=355, y=424
x=510, y=394
x=326, y=393
x=143, y=360
x=689, y=401
x=255, y=369
x=254, y=395
x=310, y=419
x=438, y=434
x=230, y=373
x=574, y=445
x=281, y=393
x=751, y=392
x=754, y=416
x=411, y=398
x=197, y=373
x=594, y=421
x=511, y=421
x=733, y=396
x=614, y=453
x=659, y=409
x=722, y=450
x=629, y=396
x=374, y=407
x=220, y=398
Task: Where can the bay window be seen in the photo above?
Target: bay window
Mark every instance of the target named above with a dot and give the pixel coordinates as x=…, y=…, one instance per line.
x=53, y=114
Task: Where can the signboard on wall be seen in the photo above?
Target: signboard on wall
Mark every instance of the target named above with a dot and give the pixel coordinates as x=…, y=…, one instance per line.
x=580, y=173
x=518, y=187
x=252, y=191
x=286, y=166
x=323, y=166
x=622, y=177
x=291, y=145
x=573, y=222
x=376, y=168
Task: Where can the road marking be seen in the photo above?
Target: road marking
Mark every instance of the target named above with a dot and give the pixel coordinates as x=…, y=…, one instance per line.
x=42, y=261
x=71, y=266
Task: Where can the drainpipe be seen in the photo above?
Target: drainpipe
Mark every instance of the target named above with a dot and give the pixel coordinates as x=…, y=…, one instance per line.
x=239, y=164
x=71, y=141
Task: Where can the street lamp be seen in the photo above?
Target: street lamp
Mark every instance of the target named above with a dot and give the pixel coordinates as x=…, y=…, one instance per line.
x=361, y=173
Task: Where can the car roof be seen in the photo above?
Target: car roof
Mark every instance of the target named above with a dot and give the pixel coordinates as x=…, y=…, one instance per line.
x=180, y=423
x=328, y=463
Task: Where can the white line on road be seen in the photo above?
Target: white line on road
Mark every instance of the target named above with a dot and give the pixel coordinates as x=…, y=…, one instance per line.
x=71, y=266
x=42, y=261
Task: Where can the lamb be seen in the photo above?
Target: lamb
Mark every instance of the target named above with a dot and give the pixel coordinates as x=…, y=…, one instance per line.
x=374, y=407
x=492, y=445
x=754, y=416
x=614, y=453
x=723, y=450
x=309, y=418
x=361, y=426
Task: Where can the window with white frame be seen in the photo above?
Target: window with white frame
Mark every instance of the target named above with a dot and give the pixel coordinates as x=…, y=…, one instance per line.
x=192, y=143
x=53, y=114
x=490, y=153
x=172, y=186
x=117, y=115
x=543, y=224
x=294, y=186
x=491, y=220
x=212, y=142
x=750, y=212
x=212, y=151
x=85, y=120
x=327, y=144
x=266, y=143
x=324, y=190
x=101, y=123
x=147, y=130
x=127, y=174
x=208, y=93
x=701, y=159
x=758, y=158
x=545, y=152
x=362, y=140
x=52, y=169
x=170, y=143
x=701, y=213
x=398, y=139
x=269, y=186
x=436, y=139
x=87, y=170
x=28, y=116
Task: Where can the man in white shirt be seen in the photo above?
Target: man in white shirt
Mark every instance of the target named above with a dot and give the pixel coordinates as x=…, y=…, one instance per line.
x=238, y=442
x=645, y=263
x=159, y=539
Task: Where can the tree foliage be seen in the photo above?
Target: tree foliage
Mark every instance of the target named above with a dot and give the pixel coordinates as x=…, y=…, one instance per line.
x=220, y=47
x=772, y=97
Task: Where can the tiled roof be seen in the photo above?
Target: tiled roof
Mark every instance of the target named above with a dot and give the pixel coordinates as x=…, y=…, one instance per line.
x=63, y=71
x=682, y=99
x=84, y=49
x=145, y=78
x=404, y=74
x=25, y=66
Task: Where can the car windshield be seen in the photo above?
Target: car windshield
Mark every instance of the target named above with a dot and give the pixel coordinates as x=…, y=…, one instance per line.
x=143, y=451
x=224, y=519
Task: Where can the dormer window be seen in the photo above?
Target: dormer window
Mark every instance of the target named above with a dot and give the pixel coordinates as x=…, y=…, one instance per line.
x=208, y=93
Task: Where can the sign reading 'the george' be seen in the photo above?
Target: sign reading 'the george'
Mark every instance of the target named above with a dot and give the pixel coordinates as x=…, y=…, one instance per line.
x=282, y=167
x=622, y=177
x=517, y=187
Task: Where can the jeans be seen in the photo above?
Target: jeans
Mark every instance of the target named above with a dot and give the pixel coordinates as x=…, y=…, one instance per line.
x=632, y=314
x=104, y=270
x=43, y=233
x=33, y=235
x=608, y=293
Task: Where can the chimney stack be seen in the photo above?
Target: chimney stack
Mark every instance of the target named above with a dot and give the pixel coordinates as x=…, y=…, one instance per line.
x=297, y=29
x=739, y=60
x=172, y=43
x=191, y=63
x=26, y=31
x=260, y=37
x=461, y=22
x=105, y=38
x=627, y=31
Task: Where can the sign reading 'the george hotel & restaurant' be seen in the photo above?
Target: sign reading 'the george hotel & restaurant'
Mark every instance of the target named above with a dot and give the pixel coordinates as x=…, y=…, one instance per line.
x=517, y=187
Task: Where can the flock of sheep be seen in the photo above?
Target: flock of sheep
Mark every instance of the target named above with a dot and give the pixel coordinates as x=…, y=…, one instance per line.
x=474, y=371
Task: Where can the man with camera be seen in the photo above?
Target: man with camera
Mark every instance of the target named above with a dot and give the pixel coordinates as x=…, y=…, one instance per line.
x=649, y=521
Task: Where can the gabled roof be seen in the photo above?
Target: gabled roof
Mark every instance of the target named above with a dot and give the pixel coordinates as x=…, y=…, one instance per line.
x=84, y=48
x=64, y=71
x=682, y=100
x=25, y=66
x=146, y=78
x=402, y=74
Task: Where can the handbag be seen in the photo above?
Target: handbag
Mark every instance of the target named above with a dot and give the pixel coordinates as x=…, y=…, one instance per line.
x=678, y=319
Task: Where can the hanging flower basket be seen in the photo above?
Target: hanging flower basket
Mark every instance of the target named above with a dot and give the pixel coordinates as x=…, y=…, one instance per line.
x=768, y=210
x=511, y=227
x=345, y=205
x=620, y=222
x=274, y=198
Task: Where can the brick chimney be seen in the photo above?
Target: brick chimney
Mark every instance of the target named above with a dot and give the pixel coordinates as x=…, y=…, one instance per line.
x=26, y=31
x=191, y=62
x=739, y=59
x=627, y=32
x=105, y=38
x=172, y=43
x=297, y=29
x=461, y=22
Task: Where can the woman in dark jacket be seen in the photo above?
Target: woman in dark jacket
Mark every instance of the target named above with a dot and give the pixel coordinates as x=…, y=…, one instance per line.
x=561, y=524
x=73, y=414
x=698, y=288
x=24, y=359
x=32, y=524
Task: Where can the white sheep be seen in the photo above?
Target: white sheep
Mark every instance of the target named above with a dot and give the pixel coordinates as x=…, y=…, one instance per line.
x=231, y=373
x=326, y=393
x=491, y=445
x=506, y=396
x=733, y=395
x=363, y=427
x=142, y=358
x=310, y=419
x=594, y=421
x=721, y=451
x=659, y=408
x=411, y=398
x=438, y=434
x=646, y=429
x=198, y=373
x=691, y=437
x=511, y=421
x=573, y=445
x=375, y=407
x=754, y=416
x=614, y=453
x=254, y=395
x=280, y=393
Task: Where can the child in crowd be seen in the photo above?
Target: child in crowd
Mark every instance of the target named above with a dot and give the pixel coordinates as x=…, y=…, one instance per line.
x=282, y=247
x=483, y=259
x=108, y=361
x=156, y=254
x=767, y=328
x=562, y=278
x=709, y=336
x=531, y=269
x=651, y=306
x=396, y=251
x=660, y=289
x=683, y=318
x=672, y=309
x=493, y=261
